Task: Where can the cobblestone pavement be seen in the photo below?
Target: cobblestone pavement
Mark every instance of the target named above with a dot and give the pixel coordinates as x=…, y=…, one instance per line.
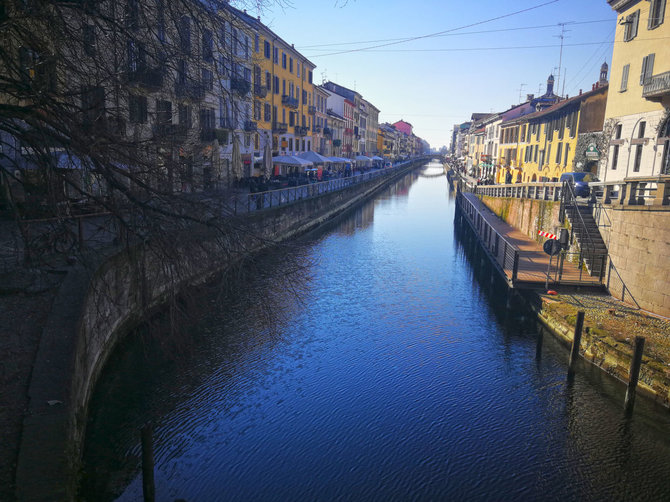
x=619, y=320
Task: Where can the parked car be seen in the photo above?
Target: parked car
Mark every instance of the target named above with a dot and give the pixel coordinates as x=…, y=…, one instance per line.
x=580, y=182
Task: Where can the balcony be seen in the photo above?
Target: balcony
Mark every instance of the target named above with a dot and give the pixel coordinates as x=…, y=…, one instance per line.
x=260, y=91
x=191, y=90
x=289, y=101
x=300, y=131
x=148, y=78
x=311, y=109
x=327, y=131
x=337, y=142
x=207, y=134
x=240, y=86
x=279, y=127
x=250, y=126
x=317, y=128
x=657, y=87
x=169, y=131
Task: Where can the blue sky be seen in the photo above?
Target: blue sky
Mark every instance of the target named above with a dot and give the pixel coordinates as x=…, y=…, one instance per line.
x=437, y=81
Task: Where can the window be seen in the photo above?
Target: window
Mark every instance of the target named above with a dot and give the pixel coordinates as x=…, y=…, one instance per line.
x=207, y=119
x=291, y=119
x=656, y=14
x=624, y=78
x=182, y=71
x=567, y=151
x=133, y=14
x=283, y=60
x=290, y=65
x=207, y=79
x=137, y=109
x=630, y=26
x=185, y=34
x=185, y=118
x=267, y=112
x=647, y=68
x=89, y=39
x=275, y=55
x=548, y=157
x=266, y=49
x=136, y=56
x=535, y=155
x=207, y=46
x=309, y=79
x=257, y=110
x=276, y=86
x=559, y=152
x=298, y=68
x=257, y=44
x=163, y=112
x=160, y=20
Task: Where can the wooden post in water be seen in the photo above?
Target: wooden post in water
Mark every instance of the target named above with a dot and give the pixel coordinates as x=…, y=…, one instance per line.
x=576, y=342
x=633, y=375
x=148, y=486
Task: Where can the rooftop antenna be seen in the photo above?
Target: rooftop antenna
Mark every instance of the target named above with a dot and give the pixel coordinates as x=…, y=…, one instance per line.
x=564, y=79
x=324, y=77
x=560, y=57
x=521, y=91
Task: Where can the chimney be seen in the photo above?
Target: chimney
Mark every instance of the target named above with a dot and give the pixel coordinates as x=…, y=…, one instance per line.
x=530, y=97
x=550, y=85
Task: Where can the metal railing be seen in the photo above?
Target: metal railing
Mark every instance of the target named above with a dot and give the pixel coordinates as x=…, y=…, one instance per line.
x=539, y=191
x=250, y=202
x=505, y=255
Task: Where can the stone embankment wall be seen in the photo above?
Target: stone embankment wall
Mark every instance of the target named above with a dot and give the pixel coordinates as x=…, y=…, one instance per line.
x=528, y=215
x=98, y=304
x=639, y=247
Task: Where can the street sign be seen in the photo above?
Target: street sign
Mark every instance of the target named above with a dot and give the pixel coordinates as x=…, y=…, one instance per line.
x=552, y=247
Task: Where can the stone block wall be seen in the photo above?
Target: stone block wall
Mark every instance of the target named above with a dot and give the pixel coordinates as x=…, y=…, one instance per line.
x=639, y=247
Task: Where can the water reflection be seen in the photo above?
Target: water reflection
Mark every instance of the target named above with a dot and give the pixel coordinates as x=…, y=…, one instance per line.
x=398, y=374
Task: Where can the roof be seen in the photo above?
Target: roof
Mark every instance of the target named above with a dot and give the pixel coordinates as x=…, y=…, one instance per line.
x=561, y=105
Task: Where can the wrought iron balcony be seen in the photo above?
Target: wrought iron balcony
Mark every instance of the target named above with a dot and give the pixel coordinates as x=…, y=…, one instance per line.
x=240, y=86
x=289, y=101
x=300, y=131
x=279, y=127
x=169, y=131
x=250, y=126
x=657, y=87
x=311, y=109
x=192, y=90
x=327, y=131
x=150, y=78
x=260, y=91
x=317, y=128
x=207, y=134
x=337, y=142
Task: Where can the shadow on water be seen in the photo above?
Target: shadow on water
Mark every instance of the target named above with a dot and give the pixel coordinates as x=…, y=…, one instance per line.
x=174, y=350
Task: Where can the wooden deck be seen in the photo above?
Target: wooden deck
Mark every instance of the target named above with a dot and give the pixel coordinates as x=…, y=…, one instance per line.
x=533, y=263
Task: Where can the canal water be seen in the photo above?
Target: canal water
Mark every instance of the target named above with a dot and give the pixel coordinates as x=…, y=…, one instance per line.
x=372, y=360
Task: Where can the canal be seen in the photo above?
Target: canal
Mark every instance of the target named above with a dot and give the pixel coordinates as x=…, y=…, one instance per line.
x=369, y=361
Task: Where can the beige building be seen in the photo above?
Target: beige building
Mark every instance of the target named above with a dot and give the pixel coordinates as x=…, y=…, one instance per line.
x=639, y=98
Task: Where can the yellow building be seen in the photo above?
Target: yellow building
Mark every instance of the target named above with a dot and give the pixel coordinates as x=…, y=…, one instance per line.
x=640, y=96
x=284, y=105
x=542, y=145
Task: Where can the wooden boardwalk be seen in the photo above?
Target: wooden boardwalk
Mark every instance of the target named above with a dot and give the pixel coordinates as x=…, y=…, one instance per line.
x=532, y=264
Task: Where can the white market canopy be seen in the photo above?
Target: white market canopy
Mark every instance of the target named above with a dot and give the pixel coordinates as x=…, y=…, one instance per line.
x=314, y=157
x=290, y=160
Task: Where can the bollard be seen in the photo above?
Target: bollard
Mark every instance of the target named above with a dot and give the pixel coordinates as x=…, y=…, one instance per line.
x=148, y=487
x=576, y=341
x=633, y=375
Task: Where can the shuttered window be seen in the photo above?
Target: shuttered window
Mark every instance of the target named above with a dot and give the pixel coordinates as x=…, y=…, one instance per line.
x=624, y=78
x=631, y=24
x=647, y=68
x=656, y=14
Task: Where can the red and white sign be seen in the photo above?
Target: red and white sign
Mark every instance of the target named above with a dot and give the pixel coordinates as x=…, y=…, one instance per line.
x=548, y=235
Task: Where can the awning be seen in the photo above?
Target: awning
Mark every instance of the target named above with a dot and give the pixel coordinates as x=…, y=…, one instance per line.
x=314, y=157
x=290, y=160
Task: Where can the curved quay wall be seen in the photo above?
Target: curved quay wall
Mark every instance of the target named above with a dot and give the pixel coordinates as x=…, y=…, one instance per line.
x=96, y=306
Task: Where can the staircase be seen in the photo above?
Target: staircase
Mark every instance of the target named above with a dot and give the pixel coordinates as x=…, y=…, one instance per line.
x=593, y=250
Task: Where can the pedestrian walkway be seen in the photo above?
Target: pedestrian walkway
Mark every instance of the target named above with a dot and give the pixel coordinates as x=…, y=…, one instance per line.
x=522, y=260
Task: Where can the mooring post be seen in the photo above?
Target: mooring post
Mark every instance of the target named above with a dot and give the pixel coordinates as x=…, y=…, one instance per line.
x=576, y=342
x=148, y=487
x=633, y=375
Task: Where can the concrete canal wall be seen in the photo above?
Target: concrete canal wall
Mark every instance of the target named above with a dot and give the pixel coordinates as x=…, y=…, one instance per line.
x=528, y=215
x=99, y=304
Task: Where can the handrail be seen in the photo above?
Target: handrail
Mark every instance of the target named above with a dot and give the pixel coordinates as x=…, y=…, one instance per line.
x=271, y=198
x=505, y=255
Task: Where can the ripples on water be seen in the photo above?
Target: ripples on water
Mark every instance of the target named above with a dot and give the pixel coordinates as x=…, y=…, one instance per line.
x=399, y=376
